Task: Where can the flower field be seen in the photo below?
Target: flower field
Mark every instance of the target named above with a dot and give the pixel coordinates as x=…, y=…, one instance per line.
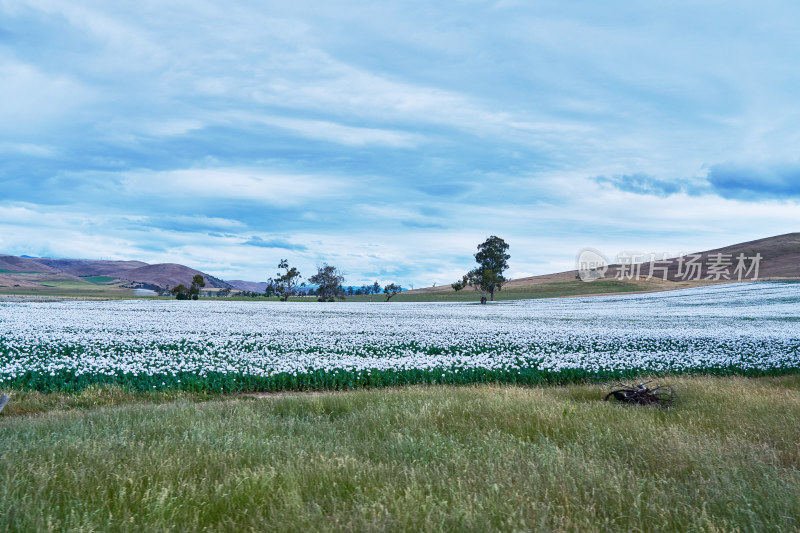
x=270, y=346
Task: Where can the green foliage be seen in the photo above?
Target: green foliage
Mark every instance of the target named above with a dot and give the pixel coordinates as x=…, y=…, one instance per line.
x=329, y=281
x=285, y=285
x=478, y=458
x=391, y=289
x=492, y=261
x=197, y=283
x=180, y=292
x=463, y=282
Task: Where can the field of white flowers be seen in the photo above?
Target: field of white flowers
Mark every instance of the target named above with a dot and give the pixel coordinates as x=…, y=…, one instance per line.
x=235, y=346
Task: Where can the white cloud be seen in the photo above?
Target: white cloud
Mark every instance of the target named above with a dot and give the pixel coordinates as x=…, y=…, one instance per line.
x=254, y=185
x=336, y=133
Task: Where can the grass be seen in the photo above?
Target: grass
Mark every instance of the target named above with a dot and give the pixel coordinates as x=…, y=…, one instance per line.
x=543, y=290
x=70, y=289
x=33, y=402
x=475, y=458
x=99, y=279
x=67, y=284
x=99, y=288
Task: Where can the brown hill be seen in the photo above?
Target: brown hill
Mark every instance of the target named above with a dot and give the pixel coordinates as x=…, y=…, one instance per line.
x=24, y=272
x=780, y=260
x=12, y=263
x=167, y=274
x=252, y=286
x=775, y=258
x=89, y=267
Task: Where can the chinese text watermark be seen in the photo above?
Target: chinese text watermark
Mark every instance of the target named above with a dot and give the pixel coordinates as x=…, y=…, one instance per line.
x=592, y=265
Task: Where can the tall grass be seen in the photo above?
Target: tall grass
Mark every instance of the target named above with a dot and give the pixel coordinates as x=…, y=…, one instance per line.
x=473, y=458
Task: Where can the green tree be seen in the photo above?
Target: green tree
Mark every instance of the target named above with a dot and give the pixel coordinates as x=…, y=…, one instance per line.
x=197, y=283
x=329, y=281
x=286, y=283
x=460, y=284
x=376, y=288
x=180, y=292
x=391, y=290
x=492, y=261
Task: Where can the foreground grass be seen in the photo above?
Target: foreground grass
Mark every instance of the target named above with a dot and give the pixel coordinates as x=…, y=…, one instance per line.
x=472, y=458
x=34, y=402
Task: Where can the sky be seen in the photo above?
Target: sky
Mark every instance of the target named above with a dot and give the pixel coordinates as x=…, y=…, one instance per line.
x=391, y=138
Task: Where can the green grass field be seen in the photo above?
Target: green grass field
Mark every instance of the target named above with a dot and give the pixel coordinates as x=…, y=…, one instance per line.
x=476, y=458
x=99, y=279
x=70, y=289
x=100, y=286
x=544, y=290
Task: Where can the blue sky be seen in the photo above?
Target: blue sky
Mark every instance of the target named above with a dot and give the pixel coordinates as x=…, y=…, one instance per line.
x=390, y=138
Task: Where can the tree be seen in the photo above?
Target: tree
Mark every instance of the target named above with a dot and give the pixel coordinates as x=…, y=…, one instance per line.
x=197, y=283
x=460, y=284
x=329, y=281
x=492, y=262
x=180, y=292
x=376, y=288
x=286, y=283
x=391, y=289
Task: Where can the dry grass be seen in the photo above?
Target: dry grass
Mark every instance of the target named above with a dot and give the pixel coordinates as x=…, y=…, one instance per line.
x=474, y=458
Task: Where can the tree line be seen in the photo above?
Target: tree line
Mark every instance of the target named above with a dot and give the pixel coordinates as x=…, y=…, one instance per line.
x=327, y=284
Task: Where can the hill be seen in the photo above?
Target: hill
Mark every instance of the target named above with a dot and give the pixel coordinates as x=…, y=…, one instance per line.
x=90, y=267
x=82, y=277
x=168, y=274
x=779, y=260
x=253, y=286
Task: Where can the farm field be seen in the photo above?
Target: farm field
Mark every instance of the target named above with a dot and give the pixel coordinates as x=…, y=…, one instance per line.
x=418, y=458
x=214, y=346
x=141, y=423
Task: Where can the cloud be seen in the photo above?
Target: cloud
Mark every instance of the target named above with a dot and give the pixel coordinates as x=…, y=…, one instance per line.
x=641, y=183
x=274, y=243
x=32, y=150
x=750, y=183
x=755, y=182
x=420, y=224
x=392, y=136
x=245, y=184
x=190, y=224
x=337, y=133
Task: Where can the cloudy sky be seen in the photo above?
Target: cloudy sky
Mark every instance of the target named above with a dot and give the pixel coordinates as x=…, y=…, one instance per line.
x=390, y=138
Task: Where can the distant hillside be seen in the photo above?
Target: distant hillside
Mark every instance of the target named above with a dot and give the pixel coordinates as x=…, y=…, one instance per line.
x=780, y=260
x=169, y=274
x=90, y=267
x=12, y=263
x=252, y=286
x=24, y=273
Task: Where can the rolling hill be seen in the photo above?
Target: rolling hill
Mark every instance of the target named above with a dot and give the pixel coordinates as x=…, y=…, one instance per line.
x=253, y=286
x=779, y=260
x=46, y=275
x=90, y=267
